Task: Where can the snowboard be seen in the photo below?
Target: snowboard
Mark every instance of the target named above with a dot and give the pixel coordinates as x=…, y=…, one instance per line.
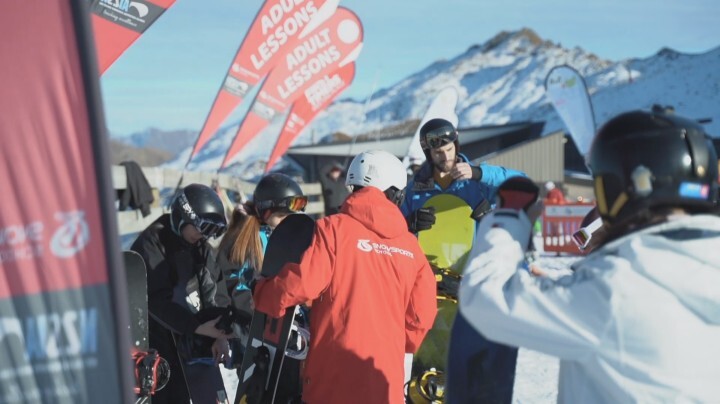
x=446, y=246
x=264, y=359
x=480, y=370
x=151, y=371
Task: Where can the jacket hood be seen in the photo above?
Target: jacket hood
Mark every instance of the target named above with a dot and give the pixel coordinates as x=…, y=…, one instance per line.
x=681, y=256
x=372, y=208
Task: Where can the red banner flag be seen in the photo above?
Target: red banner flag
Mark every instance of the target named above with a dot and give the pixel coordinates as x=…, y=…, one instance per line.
x=118, y=23
x=333, y=44
x=316, y=98
x=275, y=29
x=63, y=301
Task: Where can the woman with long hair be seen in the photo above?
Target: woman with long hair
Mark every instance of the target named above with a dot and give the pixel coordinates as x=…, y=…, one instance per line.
x=241, y=251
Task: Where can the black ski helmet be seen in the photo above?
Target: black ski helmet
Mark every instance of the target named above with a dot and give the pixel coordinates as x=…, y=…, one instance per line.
x=438, y=132
x=643, y=160
x=200, y=206
x=279, y=192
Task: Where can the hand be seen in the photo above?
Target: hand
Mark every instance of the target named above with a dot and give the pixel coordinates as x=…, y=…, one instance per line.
x=221, y=350
x=461, y=171
x=208, y=329
x=421, y=219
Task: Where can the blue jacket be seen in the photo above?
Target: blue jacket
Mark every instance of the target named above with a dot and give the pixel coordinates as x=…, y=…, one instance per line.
x=422, y=186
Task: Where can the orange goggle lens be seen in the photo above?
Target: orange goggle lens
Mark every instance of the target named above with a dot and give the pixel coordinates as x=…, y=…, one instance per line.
x=293, y=204
x=297, y=203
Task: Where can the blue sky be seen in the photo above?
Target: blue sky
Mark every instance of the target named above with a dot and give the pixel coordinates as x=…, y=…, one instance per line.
x=169, y=77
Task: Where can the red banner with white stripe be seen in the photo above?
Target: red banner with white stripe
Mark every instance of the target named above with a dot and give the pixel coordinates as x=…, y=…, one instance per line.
x=63, y=304
x=276, y=28
x=314, y=99
x=118, y=23
x=335, y=43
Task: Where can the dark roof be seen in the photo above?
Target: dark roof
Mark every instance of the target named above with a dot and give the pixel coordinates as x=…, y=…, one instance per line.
x=475, y=142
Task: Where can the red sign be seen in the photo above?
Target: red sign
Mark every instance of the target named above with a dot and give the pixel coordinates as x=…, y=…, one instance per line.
x=333, y=44
x=118, y=23
x=275, y=29
x=316, y=98
x=63, y=317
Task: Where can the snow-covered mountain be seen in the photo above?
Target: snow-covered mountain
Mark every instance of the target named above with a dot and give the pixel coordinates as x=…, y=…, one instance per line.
x=501, y=81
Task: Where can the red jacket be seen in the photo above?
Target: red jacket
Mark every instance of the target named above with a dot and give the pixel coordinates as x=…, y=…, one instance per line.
x=373, y=299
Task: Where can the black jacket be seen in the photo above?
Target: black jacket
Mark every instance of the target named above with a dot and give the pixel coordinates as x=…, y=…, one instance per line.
x=181, y=281
x=334, y=191
x=137, y=194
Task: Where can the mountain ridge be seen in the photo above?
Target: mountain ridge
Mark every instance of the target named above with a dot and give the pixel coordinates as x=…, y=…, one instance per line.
x=498, y=81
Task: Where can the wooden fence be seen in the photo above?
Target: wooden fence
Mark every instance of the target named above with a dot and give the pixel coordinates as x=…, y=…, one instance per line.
x=132, y=221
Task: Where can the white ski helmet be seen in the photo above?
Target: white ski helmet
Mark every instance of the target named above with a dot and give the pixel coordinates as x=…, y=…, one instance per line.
x=377, y=168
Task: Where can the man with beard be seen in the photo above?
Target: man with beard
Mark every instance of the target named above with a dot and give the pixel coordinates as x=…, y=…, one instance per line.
x=447, y=171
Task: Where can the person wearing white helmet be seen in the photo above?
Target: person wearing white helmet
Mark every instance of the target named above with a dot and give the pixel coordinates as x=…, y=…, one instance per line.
x=371, y=288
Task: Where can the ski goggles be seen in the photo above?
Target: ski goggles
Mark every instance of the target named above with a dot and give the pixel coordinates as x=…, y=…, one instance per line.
x=583, y=236
x=293, y=204
x=208, y=228
x=438, y=137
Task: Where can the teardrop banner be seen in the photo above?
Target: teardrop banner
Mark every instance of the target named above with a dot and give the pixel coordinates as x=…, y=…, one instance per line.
x=314, y=99
x=63, y=296
x=566, y=90
x=276, y=29
x=119, y=23
x=333, y=44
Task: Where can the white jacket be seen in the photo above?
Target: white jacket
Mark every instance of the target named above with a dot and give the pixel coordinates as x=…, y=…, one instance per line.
x=638, y=321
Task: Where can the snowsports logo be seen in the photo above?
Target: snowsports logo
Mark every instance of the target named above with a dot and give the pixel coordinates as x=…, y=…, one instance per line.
x=21, y=242
x=136, y=15
x=72, y=235
x=25, y=241
x=379, y=248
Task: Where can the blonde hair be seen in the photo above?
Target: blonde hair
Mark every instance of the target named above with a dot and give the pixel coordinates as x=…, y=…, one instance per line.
x=243, y=239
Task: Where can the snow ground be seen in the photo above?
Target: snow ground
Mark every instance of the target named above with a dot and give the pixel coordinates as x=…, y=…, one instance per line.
x=536, y=377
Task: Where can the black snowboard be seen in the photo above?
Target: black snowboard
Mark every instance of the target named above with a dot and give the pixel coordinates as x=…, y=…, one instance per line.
x=136, y=278
x=137, y=297
x=264, y=353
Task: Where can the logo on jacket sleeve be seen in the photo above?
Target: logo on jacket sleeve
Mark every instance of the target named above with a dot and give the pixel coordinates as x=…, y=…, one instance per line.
x=380, y=248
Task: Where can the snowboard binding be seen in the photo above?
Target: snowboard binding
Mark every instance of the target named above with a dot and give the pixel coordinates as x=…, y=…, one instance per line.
x=427, y=387
x=448, y=283
x=152, y=372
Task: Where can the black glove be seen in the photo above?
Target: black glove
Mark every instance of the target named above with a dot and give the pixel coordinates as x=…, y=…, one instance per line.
x=481, y=210
x=228, y=316
x=421, y=219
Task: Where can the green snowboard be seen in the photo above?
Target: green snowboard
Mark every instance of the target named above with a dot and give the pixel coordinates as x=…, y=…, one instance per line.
x=446, y=246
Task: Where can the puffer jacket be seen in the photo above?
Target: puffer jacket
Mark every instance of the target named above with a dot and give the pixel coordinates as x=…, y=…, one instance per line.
x=637, y=321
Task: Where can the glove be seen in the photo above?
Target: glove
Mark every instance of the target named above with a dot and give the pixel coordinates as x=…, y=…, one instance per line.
x=481, y=210
x=421, y=219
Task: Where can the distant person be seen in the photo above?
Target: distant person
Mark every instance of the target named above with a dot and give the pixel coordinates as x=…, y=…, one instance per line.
x=332, y=180
x=553, y=194
x=639, y=319
x=371, y=287
x=182, y=285
x=447, y=171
